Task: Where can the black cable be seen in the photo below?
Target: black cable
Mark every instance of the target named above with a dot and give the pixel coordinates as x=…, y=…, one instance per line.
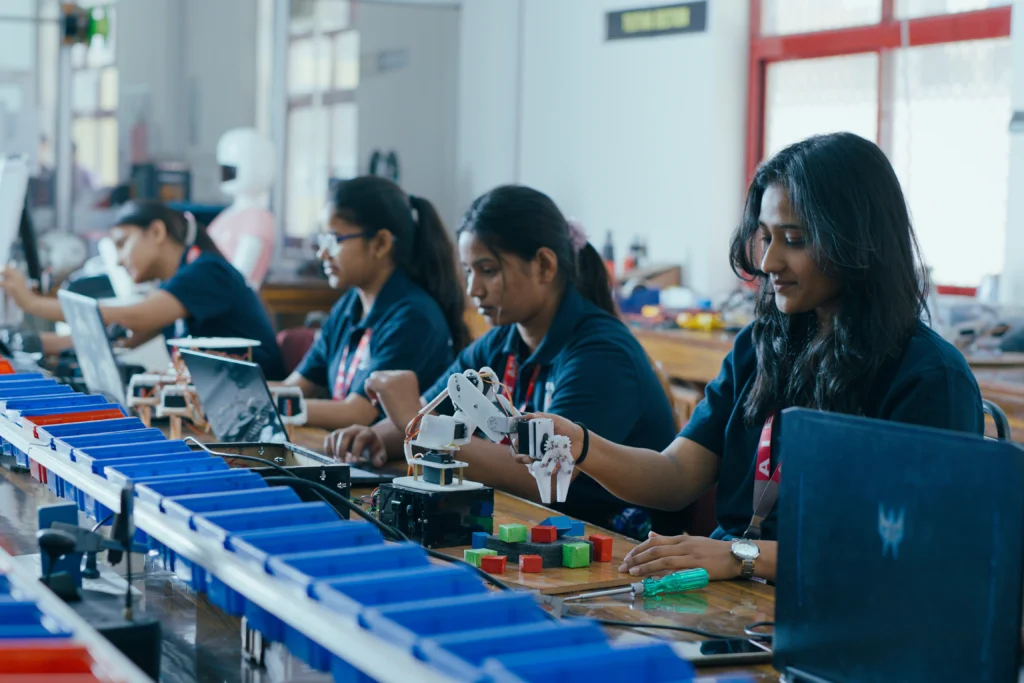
x=751, y=630
x=671, y=627
x=102, y=522
x=389, y=531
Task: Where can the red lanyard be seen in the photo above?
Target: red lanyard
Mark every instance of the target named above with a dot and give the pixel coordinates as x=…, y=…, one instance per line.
x=346, y=371
x=512, y=375
x=766, y=482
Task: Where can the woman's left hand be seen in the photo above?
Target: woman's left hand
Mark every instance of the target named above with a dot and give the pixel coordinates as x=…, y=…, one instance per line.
x=14, y=283
x=660, y=555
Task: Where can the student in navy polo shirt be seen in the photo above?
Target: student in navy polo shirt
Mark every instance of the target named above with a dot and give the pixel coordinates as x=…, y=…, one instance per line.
x=827, y=234
x=405, y=307
x=556, y=341
x=201, y=295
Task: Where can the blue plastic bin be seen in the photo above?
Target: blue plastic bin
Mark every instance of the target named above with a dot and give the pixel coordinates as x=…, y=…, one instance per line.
x=405, y=623
x=461, y=655
x=178, y=463
x=69, y=445
x=304, y=569
x=97, y=464
x=260, y=546
x=219, y=525
x=121, y=424
x=651, y=663
x=351, y=594
x=184, y=508
x=59, y=401
x=20, y=377
x=158, y=488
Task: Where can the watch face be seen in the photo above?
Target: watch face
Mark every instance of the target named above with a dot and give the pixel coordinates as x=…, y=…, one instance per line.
x=745, y=550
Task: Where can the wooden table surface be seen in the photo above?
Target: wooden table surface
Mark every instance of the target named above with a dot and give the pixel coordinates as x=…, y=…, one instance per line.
x=723, y=607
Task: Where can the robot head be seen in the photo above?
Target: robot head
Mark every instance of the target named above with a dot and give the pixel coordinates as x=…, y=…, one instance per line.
x=246, y=161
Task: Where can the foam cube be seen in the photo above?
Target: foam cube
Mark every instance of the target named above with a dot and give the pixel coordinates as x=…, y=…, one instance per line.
x=578, y=529
x=493, y=564
x=473, y=556
x=479, y=539
x=531, y=564
x=562, y=523
x=602, y=547
x=575, y=555
x=543, y=534
x=512, y=533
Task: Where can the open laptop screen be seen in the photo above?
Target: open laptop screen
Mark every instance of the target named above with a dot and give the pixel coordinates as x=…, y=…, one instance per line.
x=92, y=347
x=235, y=398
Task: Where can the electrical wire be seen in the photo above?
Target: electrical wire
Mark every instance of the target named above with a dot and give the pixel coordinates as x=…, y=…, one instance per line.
x=389, y=531
x=102, y=522
x=747, y=634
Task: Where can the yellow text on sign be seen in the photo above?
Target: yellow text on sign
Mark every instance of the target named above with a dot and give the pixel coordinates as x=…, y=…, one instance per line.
x=664, y=19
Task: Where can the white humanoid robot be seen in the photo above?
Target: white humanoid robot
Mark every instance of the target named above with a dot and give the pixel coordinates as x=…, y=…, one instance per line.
x=481, y=404
x=244, y=232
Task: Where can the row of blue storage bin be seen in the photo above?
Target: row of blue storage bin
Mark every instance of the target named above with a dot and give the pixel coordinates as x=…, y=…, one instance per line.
x=444, y=615
x=22, y=619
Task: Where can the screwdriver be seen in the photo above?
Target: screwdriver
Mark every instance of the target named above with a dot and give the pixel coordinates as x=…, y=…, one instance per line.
x=686, y=580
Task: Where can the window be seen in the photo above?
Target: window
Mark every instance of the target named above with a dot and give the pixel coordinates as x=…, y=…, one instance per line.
x=933, y=91
x=94, y=106
x=323, y=75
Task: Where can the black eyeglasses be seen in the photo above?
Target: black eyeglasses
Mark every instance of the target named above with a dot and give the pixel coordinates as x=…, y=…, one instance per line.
x=330, y=242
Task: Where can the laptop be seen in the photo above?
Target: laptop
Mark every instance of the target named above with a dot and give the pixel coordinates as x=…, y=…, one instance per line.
x=901, y=553
x=240, y=407
x=95, y=356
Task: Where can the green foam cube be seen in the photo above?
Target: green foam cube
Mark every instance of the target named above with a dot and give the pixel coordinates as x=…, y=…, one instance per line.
x=575, y=555
x=512, y=533
x=485, y=523
x=473, y=556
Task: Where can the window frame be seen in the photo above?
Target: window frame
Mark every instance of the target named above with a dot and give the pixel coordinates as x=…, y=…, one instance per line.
x=889, y=34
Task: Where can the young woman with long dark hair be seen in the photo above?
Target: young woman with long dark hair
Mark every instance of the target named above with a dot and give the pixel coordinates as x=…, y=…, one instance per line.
x=557, y=342
x=827, y=235
x=404, y=308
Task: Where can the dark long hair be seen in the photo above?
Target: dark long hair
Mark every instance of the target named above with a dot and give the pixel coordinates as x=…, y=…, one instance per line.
x=520, y=220
x=422, y=248
x=848, y=198
x=142, y=213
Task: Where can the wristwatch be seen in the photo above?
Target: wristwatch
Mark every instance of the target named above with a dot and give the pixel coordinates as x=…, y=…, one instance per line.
x=746, y=551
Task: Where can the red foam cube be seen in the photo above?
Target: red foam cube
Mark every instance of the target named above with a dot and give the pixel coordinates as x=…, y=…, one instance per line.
x=493, y=564
x=531, y=564
x=543, y=534
x=602, y=547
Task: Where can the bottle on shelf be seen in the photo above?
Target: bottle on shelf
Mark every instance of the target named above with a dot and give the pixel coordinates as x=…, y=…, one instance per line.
x=608, y=255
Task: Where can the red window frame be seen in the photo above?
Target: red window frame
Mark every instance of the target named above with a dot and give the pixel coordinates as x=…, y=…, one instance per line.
x=879, y=38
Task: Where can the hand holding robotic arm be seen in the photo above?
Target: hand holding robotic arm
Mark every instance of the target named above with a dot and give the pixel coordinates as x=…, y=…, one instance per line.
x=481, y=402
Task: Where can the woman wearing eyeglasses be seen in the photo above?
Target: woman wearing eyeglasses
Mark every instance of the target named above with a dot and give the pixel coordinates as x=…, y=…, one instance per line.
x=404, y=308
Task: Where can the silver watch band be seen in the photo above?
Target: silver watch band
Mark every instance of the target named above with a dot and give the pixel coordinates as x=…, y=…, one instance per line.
x=747, y=570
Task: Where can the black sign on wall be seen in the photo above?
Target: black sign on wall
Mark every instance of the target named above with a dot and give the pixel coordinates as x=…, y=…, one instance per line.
x=644, y=22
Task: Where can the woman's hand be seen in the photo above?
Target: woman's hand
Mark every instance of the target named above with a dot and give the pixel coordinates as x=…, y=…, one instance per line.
x=563, y=427
x=660, y=555
x=14, y=283
x=356, y=445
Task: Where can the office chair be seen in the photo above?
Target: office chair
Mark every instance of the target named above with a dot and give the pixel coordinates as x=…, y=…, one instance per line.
x=998, y=417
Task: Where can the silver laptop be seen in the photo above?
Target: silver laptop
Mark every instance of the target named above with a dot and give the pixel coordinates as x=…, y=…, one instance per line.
x=92, y=346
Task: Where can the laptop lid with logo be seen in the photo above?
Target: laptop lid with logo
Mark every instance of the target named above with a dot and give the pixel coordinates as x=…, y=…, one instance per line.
x=901, y=551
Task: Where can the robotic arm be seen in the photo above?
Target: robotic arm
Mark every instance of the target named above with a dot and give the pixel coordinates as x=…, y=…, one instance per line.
x=481, y=403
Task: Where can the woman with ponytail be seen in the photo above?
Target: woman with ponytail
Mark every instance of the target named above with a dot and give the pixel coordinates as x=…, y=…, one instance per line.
x=404, y=308
x=201, y=295
x=557, y=341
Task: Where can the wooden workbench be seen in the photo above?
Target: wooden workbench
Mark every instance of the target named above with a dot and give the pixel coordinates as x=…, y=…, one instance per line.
x=722, y=607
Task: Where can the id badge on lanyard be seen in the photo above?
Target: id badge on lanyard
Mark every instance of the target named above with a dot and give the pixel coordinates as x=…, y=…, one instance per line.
x=766, y=482
x=347, y=371
x=512, y=376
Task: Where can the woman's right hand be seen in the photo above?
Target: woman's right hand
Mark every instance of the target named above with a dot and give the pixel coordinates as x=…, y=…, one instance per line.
x=356, y=445
x=563, y=427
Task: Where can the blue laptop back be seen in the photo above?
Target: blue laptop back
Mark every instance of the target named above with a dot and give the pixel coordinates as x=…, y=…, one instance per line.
x=901, y=552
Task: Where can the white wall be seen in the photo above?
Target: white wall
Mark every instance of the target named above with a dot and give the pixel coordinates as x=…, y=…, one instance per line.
x=642, y=136
x=196, y=75
x=1011, y=287
x=412, y=109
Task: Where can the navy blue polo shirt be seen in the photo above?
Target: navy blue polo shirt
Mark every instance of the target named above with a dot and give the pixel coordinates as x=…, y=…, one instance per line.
x=930, y=384
x=221, y=304
x=592, y=371
x=407, y=328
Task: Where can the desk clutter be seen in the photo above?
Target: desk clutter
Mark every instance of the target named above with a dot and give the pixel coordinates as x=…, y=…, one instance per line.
x=338, y=594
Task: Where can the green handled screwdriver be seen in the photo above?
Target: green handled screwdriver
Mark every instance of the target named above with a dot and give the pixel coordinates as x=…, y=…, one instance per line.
x=679, y=582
